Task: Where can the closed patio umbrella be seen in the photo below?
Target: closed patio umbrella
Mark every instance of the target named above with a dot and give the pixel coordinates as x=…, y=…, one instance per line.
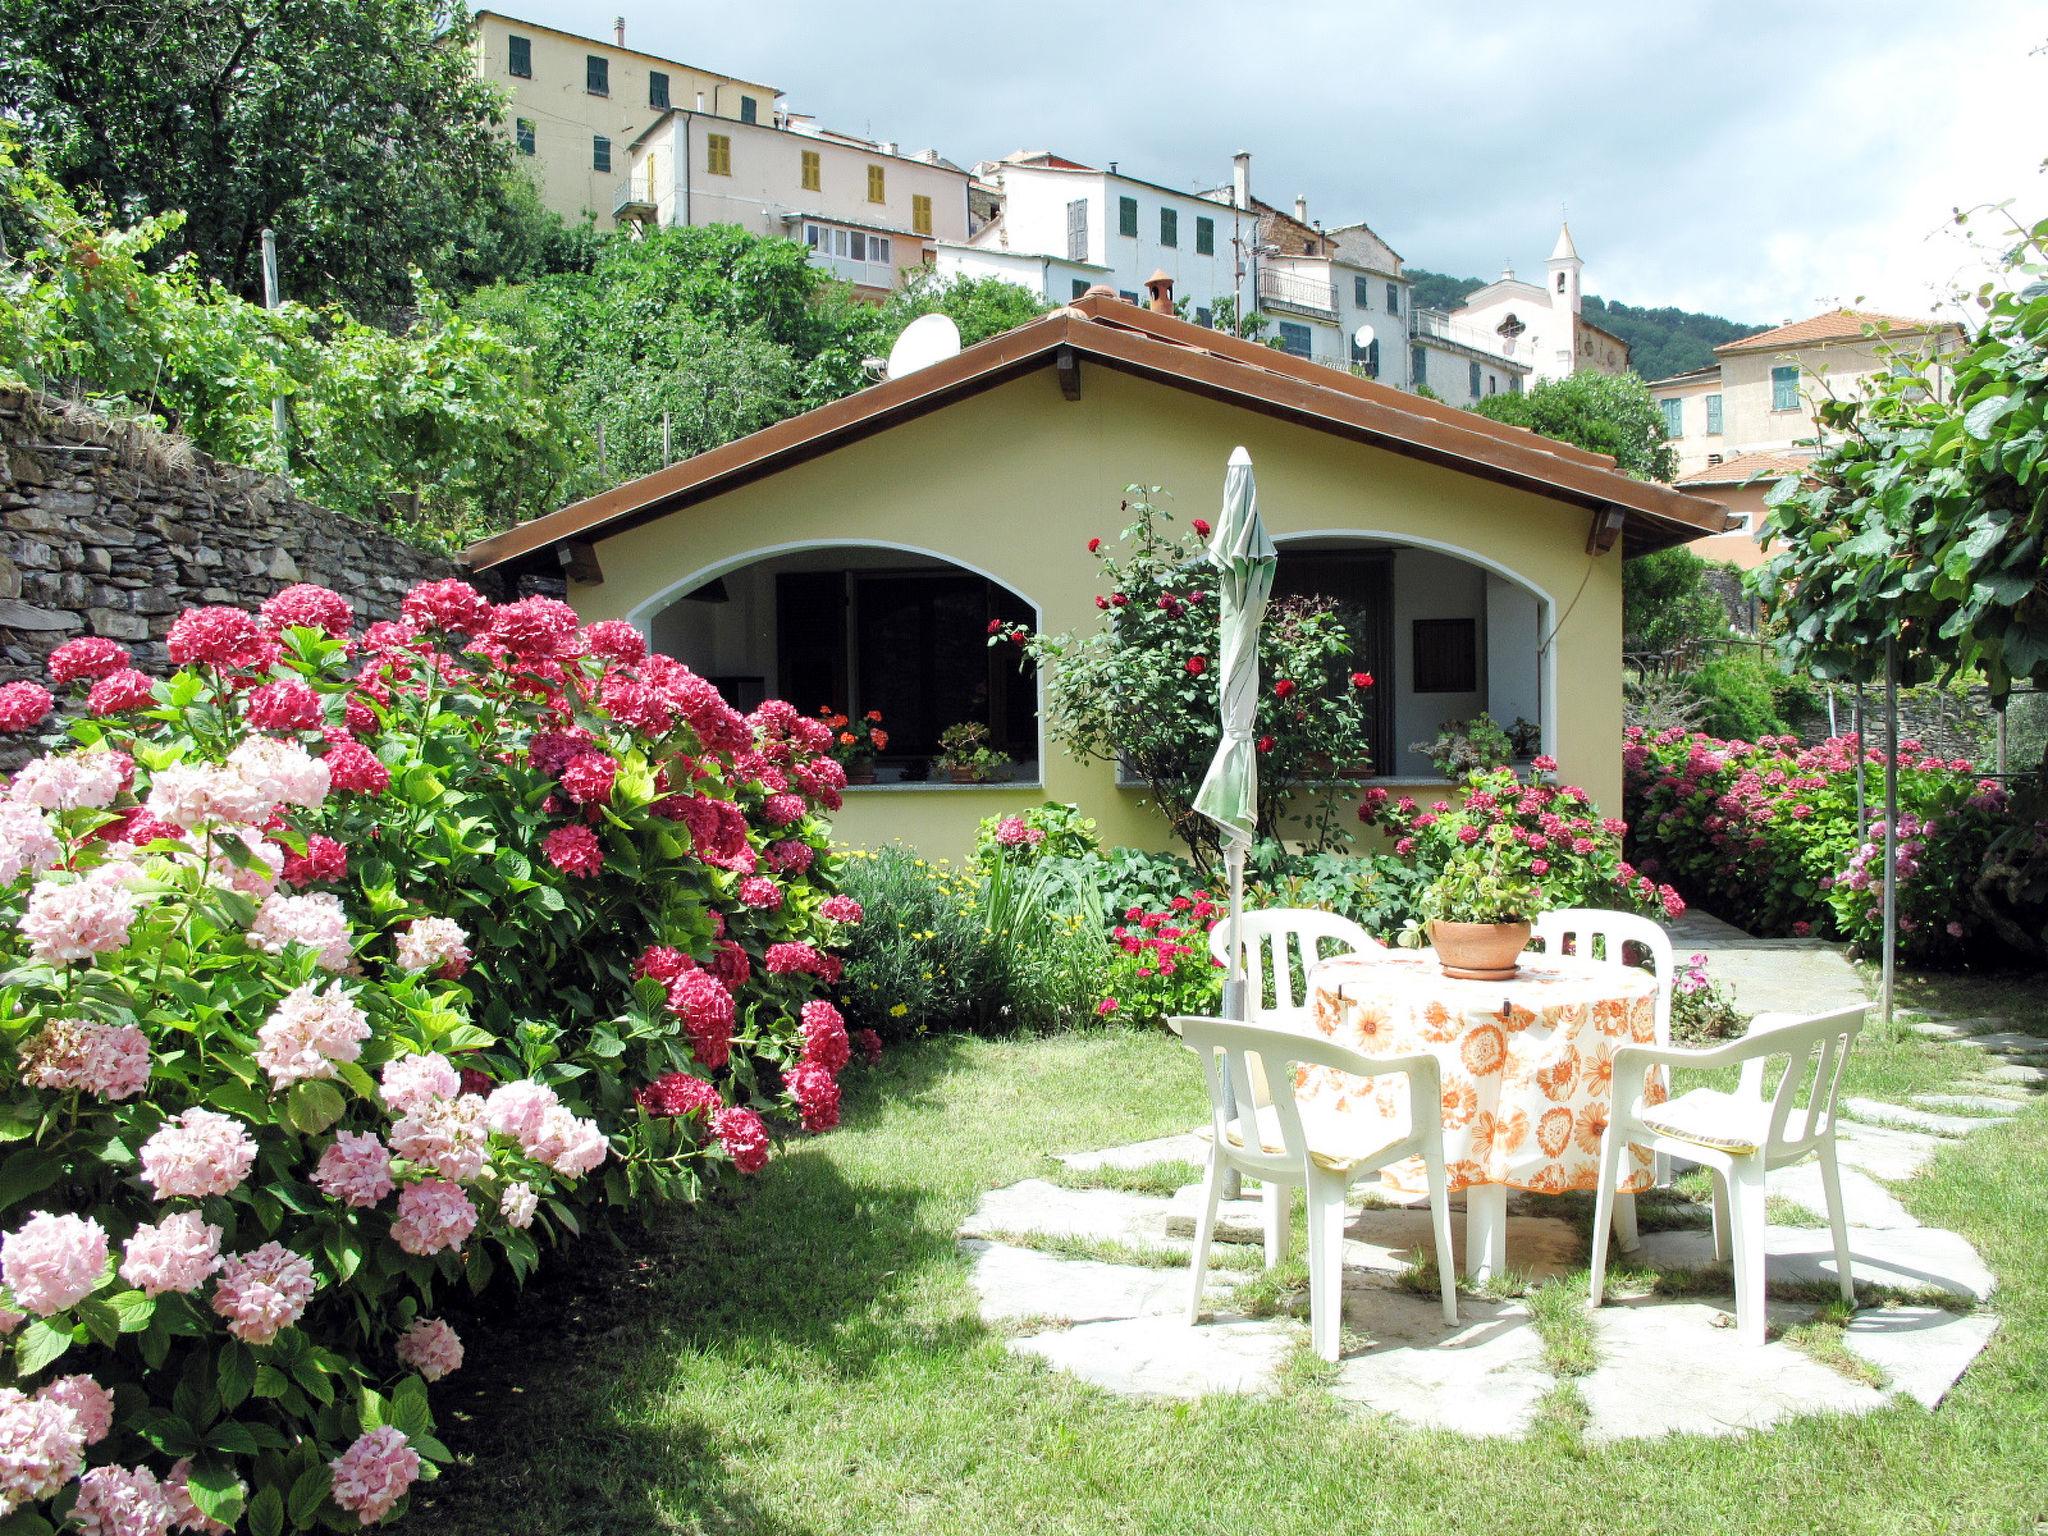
x=1244, y=558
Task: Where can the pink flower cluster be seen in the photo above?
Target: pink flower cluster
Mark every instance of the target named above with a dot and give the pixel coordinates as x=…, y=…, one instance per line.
x=308, y=1032
x=53, y=1262
x=73, y=1056
x=175, y=1254
x=201, y=1153
x=263, y=1292
x=374, y=1473
x=430, y=1347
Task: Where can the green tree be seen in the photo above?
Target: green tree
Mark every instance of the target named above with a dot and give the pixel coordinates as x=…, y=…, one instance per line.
x=356, y=128
x=980, y=306
x=1667, y=605
x=1601, y=412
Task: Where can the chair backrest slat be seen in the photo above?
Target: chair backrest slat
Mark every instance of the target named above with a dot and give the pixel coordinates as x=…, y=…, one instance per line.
x=1279, y=945
x=1593, y=933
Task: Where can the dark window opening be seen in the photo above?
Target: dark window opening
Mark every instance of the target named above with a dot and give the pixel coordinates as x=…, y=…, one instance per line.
x=657, y=90
x=519, y=57
x=600, y=153
x=1360, y=583
x=1446, y=656
x=748, y=111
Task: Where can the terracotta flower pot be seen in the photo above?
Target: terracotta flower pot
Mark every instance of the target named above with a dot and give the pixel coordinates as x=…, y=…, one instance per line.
x=963, y=775
x=1478, y=951
x=860, y=773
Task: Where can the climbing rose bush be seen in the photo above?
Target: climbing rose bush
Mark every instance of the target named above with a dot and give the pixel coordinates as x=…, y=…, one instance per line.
x=340, y=970
x=1767, y=830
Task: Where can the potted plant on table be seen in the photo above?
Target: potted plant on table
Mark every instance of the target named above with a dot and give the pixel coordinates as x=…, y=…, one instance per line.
x=1479, y=906
x=856, y=743
x=966, y=757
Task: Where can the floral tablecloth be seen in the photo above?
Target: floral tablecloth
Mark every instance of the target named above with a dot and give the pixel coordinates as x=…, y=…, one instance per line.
x=1527, y=1064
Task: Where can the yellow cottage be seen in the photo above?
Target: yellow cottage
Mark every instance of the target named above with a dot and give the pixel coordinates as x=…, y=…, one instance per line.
x=853, y=556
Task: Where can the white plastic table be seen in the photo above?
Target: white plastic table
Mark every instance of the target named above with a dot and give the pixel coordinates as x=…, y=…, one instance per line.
x=1527, y=1069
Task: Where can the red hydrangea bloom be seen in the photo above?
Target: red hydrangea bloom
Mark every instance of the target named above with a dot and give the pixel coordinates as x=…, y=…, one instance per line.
x=637, y=704
x=324, y=862
x=675, y=1094
x=285, y=705
x=789, y=958
x=701, y=1001
x=788, y=856
x=760, y=892
x=824, y=1032
x=552, y=751
x=217, y=637
x=841, y=909
x=718, y=828
x=574, y=850
x=24, y=706
x=729, y=963
x=535, y=628
x=588, y=778
x=744, y=1136
x=816, y=1092
x=870, y=1043
x=359, y=716
x=664, y=962
x=782, y=810
x=453, y=607
x=353, y=766
x=306, y=606
x=139, y=827
x=88, y=657
x=614, y=640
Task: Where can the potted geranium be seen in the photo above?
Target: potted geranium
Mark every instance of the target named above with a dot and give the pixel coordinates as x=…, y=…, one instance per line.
x=1479, y=905
x=856, y=743
x=966, y=757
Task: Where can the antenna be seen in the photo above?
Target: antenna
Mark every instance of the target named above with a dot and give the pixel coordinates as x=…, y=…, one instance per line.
x=926, y=340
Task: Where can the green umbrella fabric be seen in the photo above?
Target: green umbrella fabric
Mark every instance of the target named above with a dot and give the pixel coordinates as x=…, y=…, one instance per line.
x=1244, y=558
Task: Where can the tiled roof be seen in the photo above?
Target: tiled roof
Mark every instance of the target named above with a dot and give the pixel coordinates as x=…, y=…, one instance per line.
x=1745, y=467
x=1834, y=325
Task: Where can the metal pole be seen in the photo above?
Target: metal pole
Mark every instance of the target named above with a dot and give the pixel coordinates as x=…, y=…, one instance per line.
x=1862, y=811
x=1234, y=988
x=271, y=299
x=1833, y=728
x=665, y=458
x=1891, y=826
x=2001, y=736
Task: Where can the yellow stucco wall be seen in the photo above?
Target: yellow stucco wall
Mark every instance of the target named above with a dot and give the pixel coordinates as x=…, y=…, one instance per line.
x=1014, y=481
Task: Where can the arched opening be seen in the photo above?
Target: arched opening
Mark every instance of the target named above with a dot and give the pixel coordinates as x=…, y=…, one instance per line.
x=859, y=627
x=1446, y=634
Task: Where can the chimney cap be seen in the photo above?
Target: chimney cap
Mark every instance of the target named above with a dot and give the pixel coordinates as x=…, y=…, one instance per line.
x=1159, y=288
x=1099, y=291
x=619, y=30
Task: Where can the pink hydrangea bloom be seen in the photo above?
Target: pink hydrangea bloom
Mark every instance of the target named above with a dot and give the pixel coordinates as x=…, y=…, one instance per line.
x=92, y=1403
x=615, y=640
x=567, y=1143
x=215, y=637
x=41, y=1448
x=743, y=1135
x=675, y=1094
x=72, y=780
x=26, y=842
x=760, y=892
x=788, y=856
x=446, y=1135
x=783, y=810
x=432, y=1215
x=306, y=606
x=516, y=1109
x=280, y=773
x=289, y=704
x=175, y=1254
x=86, y=658
x=789, y=958
x=121, y=1501
x=355, y=1169
x=535, y=628
x=263, y=1292
x=588, y=778
x=200, y=1153
x=664, y=962
x=411, y=1082
x=433, y=944
x=824, y=1032
x=451, y=605
x=372, y=1475
x=119, y=692
x=324, y=862
x=574, y=850
x=705, y=1006
x=430, y=1347
x=308, y=1032
x=816, y=1092
x=841, y=909
x=53, y=1262
x=69, y=1055
x=518, y=1204
x=255, y=877
x=186, y=1515
x=315, y=920
x=188, y=795
x=24, y=706
x=69, y=921
x=354, y=767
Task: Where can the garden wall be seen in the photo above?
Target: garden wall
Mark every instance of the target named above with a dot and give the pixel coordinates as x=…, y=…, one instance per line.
x=109, y=530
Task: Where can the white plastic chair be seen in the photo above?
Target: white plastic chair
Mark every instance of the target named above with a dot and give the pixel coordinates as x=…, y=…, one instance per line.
x=1739, y=1137
x=1312, y=1150
x=1591, y=933
x=1273, y=941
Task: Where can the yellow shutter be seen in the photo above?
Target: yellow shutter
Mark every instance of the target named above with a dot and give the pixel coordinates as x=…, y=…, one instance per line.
x=921, y=214
x=652, y=160
x=718, y=154
x=813, y=178
x=875, y=189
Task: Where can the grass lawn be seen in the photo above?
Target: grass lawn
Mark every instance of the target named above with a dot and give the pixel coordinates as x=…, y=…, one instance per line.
x=809, y=1360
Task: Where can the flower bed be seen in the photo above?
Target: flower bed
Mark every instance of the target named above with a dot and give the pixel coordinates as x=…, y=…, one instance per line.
x=1769, y=829
x=343, y=970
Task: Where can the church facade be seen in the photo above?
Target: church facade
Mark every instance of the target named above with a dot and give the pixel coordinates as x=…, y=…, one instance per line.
x=1540, y=323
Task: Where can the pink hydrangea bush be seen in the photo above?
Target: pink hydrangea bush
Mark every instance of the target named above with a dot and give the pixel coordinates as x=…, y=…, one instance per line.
x=346, y=968
x=1766, y=833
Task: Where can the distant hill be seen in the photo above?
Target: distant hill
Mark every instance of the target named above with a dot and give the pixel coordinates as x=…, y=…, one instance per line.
x=1661, y=341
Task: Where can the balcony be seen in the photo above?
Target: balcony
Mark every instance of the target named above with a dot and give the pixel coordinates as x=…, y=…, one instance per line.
x=1287, y=292
x=633, y=198
x=1437, y=325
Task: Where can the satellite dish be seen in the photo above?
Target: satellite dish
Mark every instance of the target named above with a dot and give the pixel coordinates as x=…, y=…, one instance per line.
x=1362, y=337
x=926, y=340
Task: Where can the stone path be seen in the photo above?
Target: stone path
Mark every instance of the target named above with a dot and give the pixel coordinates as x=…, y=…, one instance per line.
x=1770, y=975
x=1093, y=1281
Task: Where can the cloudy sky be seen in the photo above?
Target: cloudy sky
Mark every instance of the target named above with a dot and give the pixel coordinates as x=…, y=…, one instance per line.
x=1753, y=158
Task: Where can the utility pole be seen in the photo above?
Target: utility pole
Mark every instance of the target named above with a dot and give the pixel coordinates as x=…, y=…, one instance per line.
x=271, y=299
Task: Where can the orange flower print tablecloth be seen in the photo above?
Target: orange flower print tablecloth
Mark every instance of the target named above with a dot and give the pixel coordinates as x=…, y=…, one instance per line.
x=1527, y=1064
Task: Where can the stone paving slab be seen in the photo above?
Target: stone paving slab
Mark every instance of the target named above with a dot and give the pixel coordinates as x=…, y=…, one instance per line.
x=1242, y=1220
x=1041, y=1208
x=1867, y=1203
x=1883, y=1151
x=1923, y=1351
x=2013, y=1072
x=1187, y=1147
x=1673, y=1367
x=1483, y=1377
x=1941, y=1027
x=1538, y=1246
x=1911, y=1119
x=1164, y=1357
x=1912, y=1258
x=1981, y=1103
x=1793, y=976
x=2009, y=1042
x=1012, y=1283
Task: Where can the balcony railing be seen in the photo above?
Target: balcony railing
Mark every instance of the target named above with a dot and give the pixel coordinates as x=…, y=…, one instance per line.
x=633, y=199
x=1437, y=325
x=1292, y=292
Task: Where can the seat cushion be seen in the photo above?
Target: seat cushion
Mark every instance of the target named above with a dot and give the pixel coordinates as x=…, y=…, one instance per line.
x=1707, y=1117
x=1336, y=1141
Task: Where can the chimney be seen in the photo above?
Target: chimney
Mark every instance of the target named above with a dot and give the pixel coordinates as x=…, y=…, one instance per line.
x=1241, y=178
x=1159, y=288
x=700, y=101
x=1300, y=208
x=887, y=146
x=619, y=30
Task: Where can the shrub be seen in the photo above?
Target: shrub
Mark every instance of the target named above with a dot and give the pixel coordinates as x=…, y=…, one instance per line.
x=1162, y=965
x=1461, y=746
x=1737, y=696
x=1048, y=831
x=1703, y=1008
x=341, y=972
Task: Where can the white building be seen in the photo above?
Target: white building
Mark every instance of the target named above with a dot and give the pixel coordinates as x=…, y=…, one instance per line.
x=1541, y=325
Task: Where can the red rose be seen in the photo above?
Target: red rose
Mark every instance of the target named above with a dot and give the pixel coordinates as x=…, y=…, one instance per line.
x=1265, y=743
x=1202, y=527
x=1197, y=665
x=1283, y=688
x=1101, y=602
x=1117, y=600
x=1361, y=679
x=994, y=625
x=1094, y=545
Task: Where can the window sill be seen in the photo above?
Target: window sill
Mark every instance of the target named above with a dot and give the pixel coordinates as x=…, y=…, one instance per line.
x=942, y=786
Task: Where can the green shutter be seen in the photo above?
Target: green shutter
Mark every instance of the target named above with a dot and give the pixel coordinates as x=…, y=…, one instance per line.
x=1205, y=236
x=1127, y=216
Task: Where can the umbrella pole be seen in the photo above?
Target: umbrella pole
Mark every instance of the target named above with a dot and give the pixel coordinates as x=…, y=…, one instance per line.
x=1891, y=831
x=1234, y=989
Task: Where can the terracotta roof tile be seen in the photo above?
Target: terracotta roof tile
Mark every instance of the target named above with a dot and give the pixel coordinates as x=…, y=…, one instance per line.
x=1745, y=467
x=1833, y=325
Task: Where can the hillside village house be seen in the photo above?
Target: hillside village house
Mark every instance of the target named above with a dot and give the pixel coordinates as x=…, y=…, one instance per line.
x=853, y=556
x=1748, y=420
x=1542, y=324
